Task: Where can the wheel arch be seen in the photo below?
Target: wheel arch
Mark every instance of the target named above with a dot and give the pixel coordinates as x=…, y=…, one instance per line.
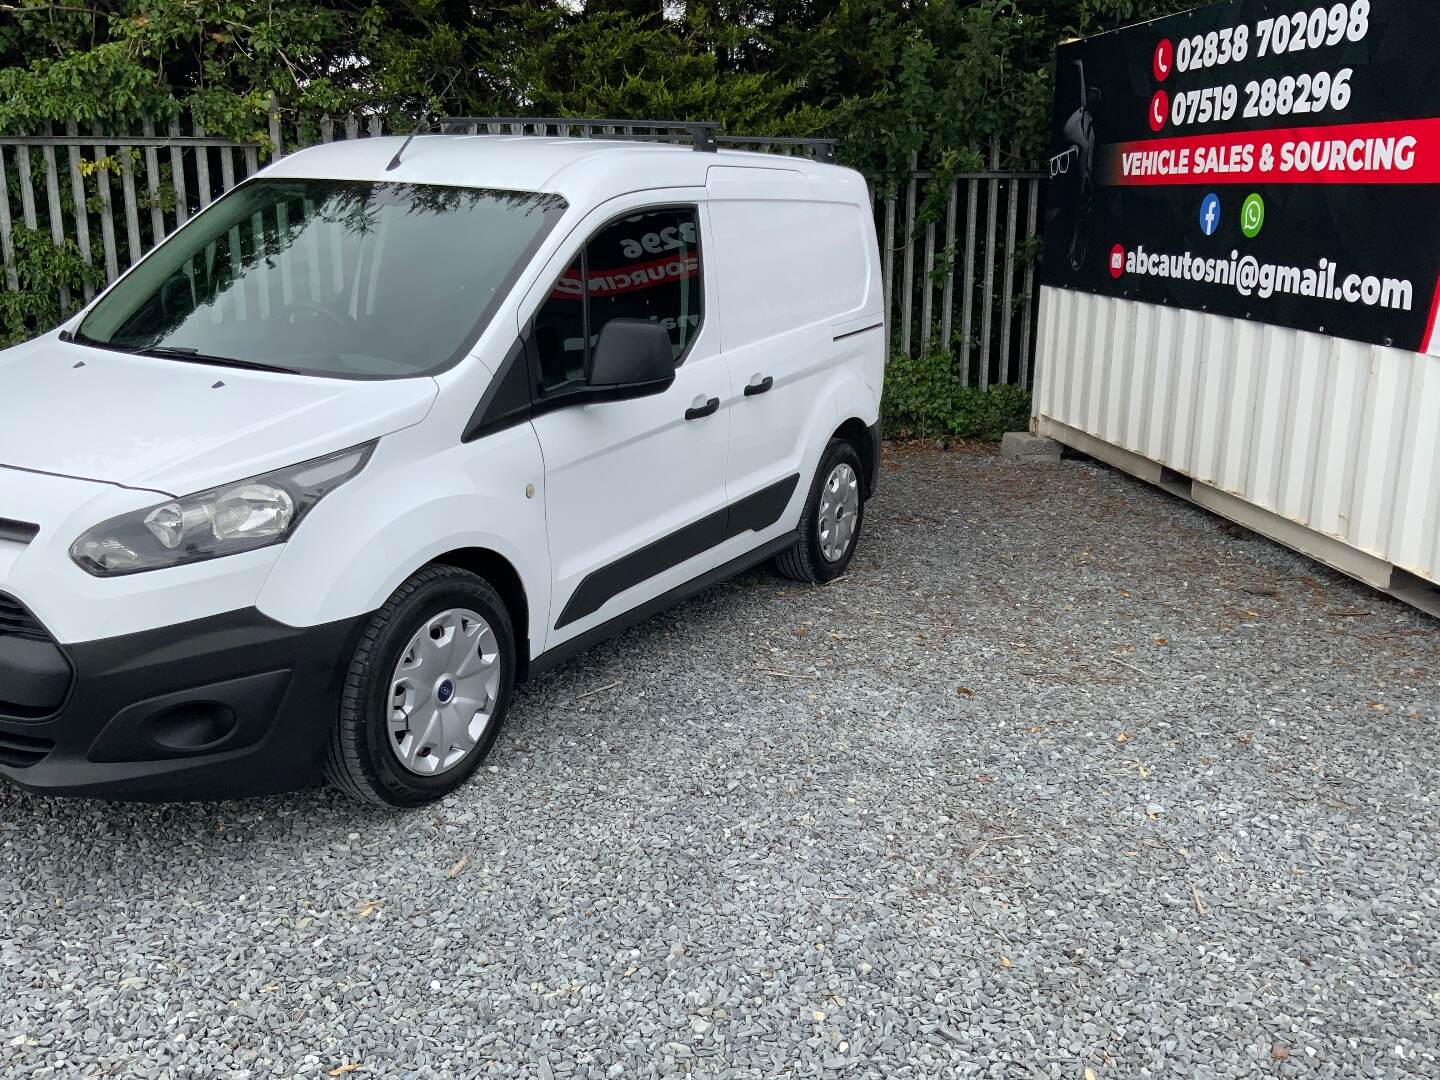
x=863, y=438
x=500, y=573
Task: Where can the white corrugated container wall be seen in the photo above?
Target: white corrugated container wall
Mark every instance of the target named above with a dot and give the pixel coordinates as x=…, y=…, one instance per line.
x=1273, y=427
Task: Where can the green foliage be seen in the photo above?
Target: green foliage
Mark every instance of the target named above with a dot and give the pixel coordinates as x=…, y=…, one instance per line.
x=91, y=85
x=893, y=80
x=42, y=268
x=890, y=78
x=923, y=397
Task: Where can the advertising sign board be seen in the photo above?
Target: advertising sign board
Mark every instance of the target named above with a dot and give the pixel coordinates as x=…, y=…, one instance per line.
x=1275, y=161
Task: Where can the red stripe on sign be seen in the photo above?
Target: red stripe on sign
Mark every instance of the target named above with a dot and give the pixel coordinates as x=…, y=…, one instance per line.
x=629, y=277
x=1395, y=152
x=1427, y=342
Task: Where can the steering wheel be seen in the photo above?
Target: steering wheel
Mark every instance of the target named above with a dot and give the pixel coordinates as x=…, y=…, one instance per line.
x=316, y=309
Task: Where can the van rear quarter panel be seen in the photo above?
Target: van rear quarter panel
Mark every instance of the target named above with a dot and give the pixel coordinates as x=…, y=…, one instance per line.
x=784, y=259
x=793, y=258
x=796, y=266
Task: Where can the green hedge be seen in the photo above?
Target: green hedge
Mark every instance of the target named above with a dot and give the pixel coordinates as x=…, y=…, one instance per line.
x=924, y=398
x=42, y=267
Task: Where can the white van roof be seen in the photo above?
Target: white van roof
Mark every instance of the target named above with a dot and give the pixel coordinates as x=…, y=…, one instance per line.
x=583, y=170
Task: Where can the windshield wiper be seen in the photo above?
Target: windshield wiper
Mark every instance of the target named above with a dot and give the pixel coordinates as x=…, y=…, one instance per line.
x=195, y=356
x=177, y=352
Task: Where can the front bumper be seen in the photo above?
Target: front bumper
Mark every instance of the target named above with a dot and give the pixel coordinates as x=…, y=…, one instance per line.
x=228, y=706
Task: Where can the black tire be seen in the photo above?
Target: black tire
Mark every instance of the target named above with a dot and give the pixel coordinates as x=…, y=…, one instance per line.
x=359, y=759
x=805, y=561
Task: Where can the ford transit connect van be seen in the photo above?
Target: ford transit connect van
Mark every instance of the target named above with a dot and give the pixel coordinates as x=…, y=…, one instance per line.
x=378, y=435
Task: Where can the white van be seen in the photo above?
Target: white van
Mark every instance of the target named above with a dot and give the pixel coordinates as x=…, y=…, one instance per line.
x=390, y=428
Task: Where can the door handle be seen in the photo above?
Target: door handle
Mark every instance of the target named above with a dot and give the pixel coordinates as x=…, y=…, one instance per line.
x=758, y=385
x=695, y=412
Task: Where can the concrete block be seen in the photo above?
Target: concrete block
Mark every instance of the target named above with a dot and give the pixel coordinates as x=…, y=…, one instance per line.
x=1025, y=449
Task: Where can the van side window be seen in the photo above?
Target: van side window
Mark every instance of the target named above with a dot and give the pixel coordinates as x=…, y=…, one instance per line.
x=645, y=266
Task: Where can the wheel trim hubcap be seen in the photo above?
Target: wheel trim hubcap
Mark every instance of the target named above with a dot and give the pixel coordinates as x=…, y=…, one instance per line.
x=839, y=510
x=443, y=692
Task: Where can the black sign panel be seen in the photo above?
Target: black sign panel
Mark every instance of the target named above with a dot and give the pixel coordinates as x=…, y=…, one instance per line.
x=1275, y=161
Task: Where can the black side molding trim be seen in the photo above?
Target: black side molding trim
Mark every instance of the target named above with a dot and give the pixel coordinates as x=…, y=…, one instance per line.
x=553, y=658
x=762, y=509
x=630, y=570
x=862, y=330
x=750, y=514
x=19, y=532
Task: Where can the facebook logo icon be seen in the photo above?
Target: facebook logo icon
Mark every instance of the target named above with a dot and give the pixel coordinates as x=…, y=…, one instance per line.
x=1210, y=214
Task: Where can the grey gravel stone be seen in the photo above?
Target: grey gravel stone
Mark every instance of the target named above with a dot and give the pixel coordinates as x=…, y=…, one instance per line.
x=1043, y=785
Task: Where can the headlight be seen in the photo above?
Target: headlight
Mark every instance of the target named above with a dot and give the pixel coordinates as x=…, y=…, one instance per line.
x=222, y=521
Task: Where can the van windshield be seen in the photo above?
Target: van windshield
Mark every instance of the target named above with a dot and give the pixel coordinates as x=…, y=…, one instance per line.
x=340, y=278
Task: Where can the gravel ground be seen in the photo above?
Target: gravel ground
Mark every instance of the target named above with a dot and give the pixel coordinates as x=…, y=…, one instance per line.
x=1066, y=779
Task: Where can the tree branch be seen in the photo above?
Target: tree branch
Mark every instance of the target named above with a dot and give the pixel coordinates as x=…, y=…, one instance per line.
x=35, y=9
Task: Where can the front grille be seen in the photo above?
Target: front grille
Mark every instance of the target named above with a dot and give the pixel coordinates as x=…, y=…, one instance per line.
x=19, y=633
x=22, y=751
x=16, y=620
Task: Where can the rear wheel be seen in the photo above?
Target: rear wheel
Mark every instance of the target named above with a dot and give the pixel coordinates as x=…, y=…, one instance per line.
x=427, y=691
x=830, y=523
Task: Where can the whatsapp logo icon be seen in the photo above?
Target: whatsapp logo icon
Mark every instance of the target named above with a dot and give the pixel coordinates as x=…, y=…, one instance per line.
x=1252, y=215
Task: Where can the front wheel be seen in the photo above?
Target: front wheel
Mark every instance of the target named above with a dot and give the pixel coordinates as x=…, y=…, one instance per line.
x=830, y=523
x=427, y=691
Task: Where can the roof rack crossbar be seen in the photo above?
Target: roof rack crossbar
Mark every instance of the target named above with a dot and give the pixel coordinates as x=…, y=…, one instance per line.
x=702, y=134
x=580, y=121
x=824, y=148
x=617, y=136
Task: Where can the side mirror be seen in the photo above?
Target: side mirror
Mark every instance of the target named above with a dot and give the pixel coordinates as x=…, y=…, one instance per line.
x=633, y=358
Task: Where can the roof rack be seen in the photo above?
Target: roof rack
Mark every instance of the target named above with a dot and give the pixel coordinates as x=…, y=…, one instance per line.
x=824, y=148
x=704, y=135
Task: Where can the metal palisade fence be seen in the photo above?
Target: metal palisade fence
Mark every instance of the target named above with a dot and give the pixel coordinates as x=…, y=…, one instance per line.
x=117, y=196
x=964, y=281
x=959, y=279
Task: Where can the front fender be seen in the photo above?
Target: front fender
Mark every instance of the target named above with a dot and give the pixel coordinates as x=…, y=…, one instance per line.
x=405, y=510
